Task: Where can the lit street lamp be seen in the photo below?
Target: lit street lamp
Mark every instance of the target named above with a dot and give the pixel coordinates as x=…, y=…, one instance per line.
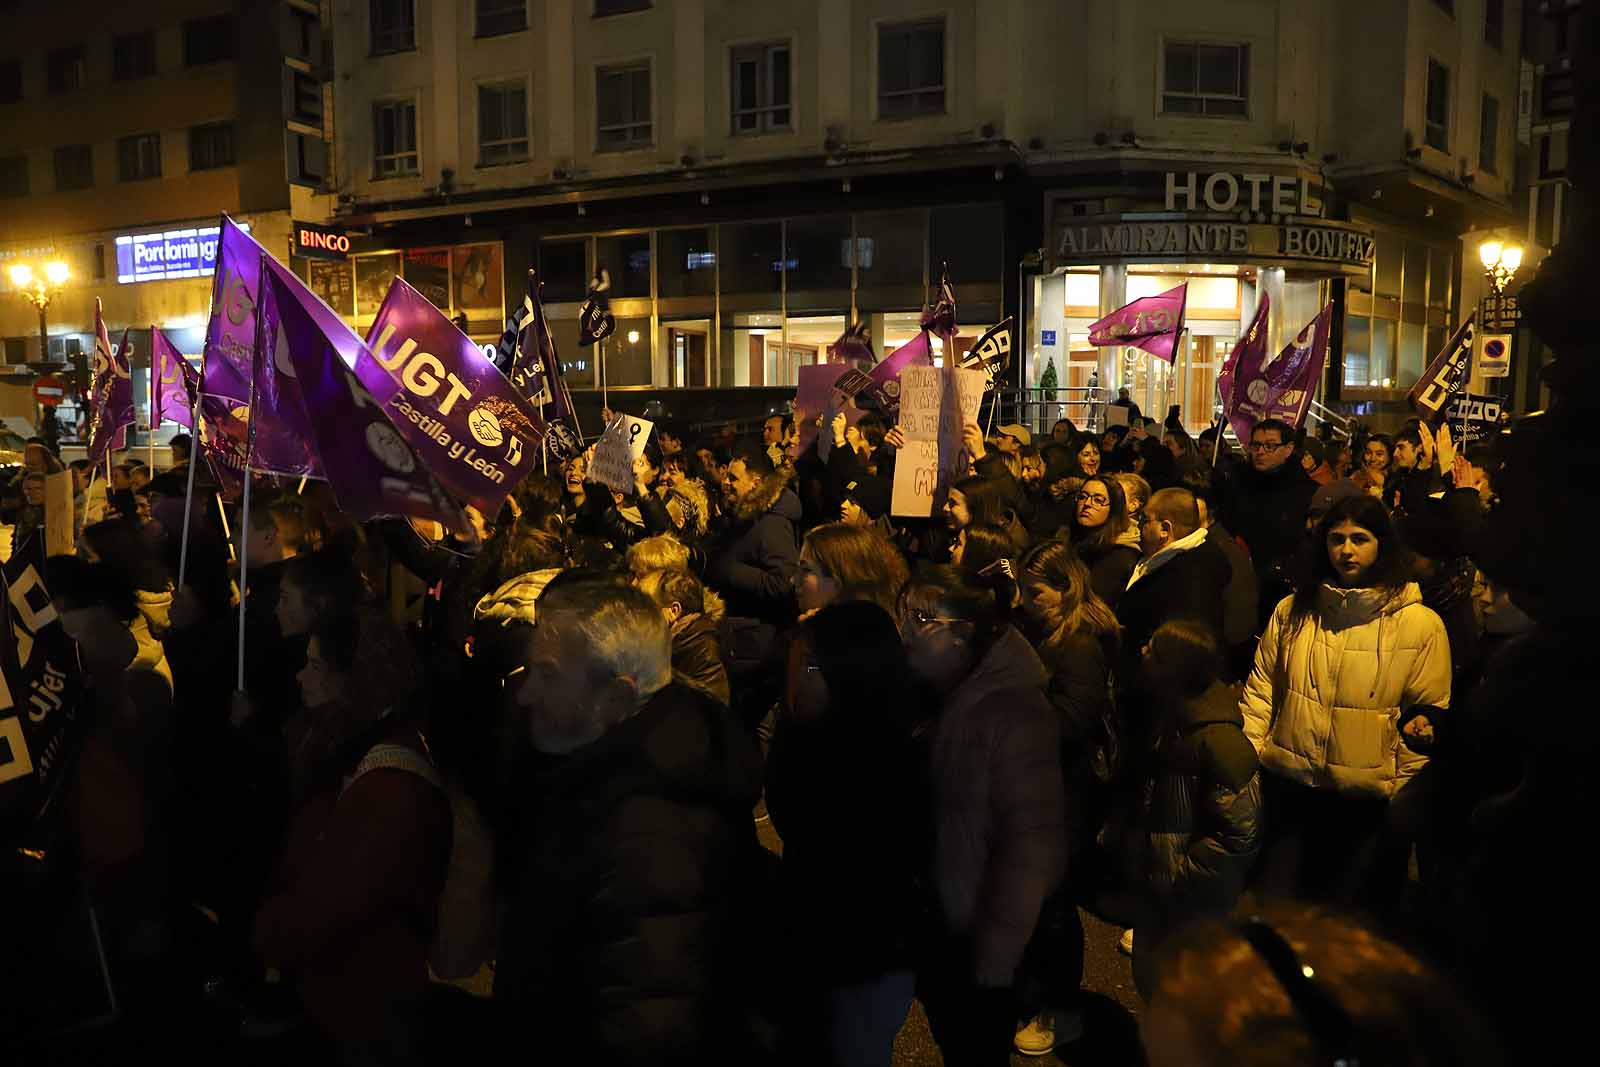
x=1500, y=263
x=40, y=289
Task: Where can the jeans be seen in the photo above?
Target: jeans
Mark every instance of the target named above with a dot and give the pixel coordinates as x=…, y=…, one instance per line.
x=862, y=1020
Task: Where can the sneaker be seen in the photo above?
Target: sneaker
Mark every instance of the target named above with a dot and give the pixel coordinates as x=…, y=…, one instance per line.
x=1126, y=942
x=1046, y=1031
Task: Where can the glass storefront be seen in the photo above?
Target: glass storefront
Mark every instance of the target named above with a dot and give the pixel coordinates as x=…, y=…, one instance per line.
x=464, y=279
x=1397, y=317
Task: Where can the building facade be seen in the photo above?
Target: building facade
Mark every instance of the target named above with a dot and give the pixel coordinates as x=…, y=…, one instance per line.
x=125, y=131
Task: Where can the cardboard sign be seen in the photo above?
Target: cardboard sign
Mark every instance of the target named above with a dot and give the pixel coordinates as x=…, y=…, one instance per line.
x=824, y=390
x=621, y=444
x=59, y=527
x=1116, y=415
x=934, y=406
x=1473, y=418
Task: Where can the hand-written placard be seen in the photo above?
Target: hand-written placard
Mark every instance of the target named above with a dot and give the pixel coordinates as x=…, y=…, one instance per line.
x=622, y=443
x=59, y=533
x=934, y=406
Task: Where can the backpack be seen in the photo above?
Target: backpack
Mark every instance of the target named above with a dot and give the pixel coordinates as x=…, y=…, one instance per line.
x=465, y=928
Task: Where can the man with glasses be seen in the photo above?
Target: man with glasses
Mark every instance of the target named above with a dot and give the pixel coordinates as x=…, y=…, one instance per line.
x=1266, y=507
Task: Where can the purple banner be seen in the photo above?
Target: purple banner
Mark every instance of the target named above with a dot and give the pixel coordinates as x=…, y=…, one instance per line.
x=110, y=393
x=854, y=347
x=534, y=370
x=1284, y=388
x=1152, y=323
x=941, y=317
x=885, y=387
x=1244, y=365
x=460, y=414
x=173, y=383
x=222, y=439
x=372, y=470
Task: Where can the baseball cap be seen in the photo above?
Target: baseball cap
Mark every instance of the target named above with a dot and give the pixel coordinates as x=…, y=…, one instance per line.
x=1017, y=430
x=872, y=494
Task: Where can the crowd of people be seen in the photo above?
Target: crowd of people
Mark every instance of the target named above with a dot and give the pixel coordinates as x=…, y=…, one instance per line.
x=1218, y=697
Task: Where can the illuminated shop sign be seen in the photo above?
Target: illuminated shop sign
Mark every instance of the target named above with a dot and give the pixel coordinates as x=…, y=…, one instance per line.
x=186, y=253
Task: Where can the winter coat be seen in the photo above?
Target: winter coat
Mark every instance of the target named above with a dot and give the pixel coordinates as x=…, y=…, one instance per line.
x=1079, y=670
x=999, y=806
x=353, y=911
x=1268, y=511
x=1324, y=701
x=1202, y=810
x=697, y=656
x=619, y=940
x=752, y=565
x=1239, y=600
x=1110, y=568
x=1189, y=585
x=993, y=467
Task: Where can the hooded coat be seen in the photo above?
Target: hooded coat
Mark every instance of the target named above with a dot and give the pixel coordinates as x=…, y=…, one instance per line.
x=752, y=565
x=1324, y=701
x=619, y=943
x=999, y=806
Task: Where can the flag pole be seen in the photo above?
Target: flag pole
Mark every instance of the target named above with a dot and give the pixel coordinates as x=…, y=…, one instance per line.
x=155, y=377
x=188, y=494
x=249, y=457
x=601, y=345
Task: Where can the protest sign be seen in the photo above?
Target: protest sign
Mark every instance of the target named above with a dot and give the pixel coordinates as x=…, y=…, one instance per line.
x=621, y=444
x=1116, y=415
x=59, y=532
x=935, y=404
x=823, y=391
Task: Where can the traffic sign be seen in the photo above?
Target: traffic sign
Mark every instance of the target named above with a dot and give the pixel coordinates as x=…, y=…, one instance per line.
x=1047, y=337
x=1494, y=358
x=49, y=391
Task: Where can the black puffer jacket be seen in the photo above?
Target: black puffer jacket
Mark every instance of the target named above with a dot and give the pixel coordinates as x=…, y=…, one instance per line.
x=621, y=940
x=1268, y=511
x=1202, y=810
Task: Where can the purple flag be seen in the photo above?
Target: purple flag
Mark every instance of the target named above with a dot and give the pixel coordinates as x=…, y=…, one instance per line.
x=173, y=383
x=1283, y=389
x=885, y=387
x=528, y=352
x=372, y=470
x=466, y=422
x=1243, y=365
x=283, y=439
x=854, y=347
x=1152, y=323
x=110, y=393
x=941, y=317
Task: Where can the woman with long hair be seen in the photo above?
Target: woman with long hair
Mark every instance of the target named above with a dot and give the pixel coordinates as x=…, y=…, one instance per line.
x=840, y=562
x=999, y=822
x=1104, y=537
x=1376, y=456
x=976, y=500
x=1351, y=672
x=1087, y=456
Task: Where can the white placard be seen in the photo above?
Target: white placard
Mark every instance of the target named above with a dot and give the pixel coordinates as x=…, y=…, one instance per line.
x=622, y=443
x=934, y=406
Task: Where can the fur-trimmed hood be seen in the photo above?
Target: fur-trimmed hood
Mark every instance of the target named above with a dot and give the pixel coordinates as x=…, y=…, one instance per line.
x=773, y=494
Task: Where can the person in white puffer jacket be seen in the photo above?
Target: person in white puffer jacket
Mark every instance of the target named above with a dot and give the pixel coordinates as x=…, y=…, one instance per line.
x=1349, y=677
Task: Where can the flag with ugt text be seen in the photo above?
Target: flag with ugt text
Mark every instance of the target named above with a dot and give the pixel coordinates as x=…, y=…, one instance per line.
x=528, y=358
x=461, y=416
x=371, y=469
x=110, y=393
x=173, y=383
x=1284, y=388
x=1152, y=323
x=1244, y=365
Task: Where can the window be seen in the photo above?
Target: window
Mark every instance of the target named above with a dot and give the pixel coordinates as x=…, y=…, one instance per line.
x=394, y=26
x=207, y=41
x=501, y=16
x=622, y=104
x=74, y=167
x=1494, y=22
x=1437, y=127
x=63, y=70
x=1212, y=80
x=139, y=157
x=761, y=89
x=394, y=139
x=11, y=82
x=133, y=56
x=211, y=146
x=14, y=176
x=602, y=8
x=502, y=123
x=16, y=350
x=1447, y=6
x=911, y=69
x=1489, y=135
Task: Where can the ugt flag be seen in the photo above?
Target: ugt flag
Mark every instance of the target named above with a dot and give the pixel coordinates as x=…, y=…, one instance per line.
x=372, y=471
x=282, y=438
x=1152, y=323
x=528, y=358
x=454, y=408
x=1446, y=375
x=173, y=383
x=1244, y=364
x=1283, y=389
x=110, y=393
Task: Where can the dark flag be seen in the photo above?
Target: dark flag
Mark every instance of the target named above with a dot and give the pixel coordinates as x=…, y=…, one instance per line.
x=992, y=352
x=595, y=321
x=529, y=360
x=854, y=347
x=940, y=319
x=1445, y=376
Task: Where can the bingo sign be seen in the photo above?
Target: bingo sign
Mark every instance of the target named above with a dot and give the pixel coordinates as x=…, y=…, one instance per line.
x=153, y=257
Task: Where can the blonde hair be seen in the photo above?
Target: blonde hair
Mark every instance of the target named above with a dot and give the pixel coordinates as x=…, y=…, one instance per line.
x=659, y=553
x=1133, y=488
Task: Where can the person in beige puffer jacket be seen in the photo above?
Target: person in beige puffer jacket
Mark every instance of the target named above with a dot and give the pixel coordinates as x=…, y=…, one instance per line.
x=1350, y=674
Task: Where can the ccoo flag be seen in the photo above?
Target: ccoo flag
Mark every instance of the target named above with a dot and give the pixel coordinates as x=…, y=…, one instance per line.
x=595, y=321
x=110, y=393
x=174, y=383
x=991, y=353
x=528, y=358
x=455, y=409
x=1284, y=388
x=1447, y=374
x=1152, y=323
x=372, y=471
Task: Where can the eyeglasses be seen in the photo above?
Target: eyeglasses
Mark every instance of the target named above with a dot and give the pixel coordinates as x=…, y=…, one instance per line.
x=1141, y=517
x=1330, y=1025
x=1266, y=446
x=1097, y=501
x=922, y=620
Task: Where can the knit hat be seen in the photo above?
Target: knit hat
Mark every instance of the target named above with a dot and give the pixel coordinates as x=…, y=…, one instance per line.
x=1018, y=431
x=1323, y=500
x=873, y=495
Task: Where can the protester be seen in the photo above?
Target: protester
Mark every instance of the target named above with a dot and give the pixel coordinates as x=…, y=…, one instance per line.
x=976, y=500
x=1350, y=674
x=1239, y=600
x=696, y=646
x=1339, y=459
x=1123, y=400
x=841, y=563
x=1201, y=820
x=1086, y=454
x=1266, y=507
x=1375, y=458
x=998, y=806
x=1105, y=537
x=1180, y=573
x=866, y=503
x=1313, y=456
x=1412, y=477
x=842, y=790
x=620, y=938
x=1062, y=432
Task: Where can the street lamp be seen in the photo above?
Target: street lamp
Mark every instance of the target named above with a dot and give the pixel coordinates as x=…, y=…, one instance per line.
x=40, y=290
x=1500, y=263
